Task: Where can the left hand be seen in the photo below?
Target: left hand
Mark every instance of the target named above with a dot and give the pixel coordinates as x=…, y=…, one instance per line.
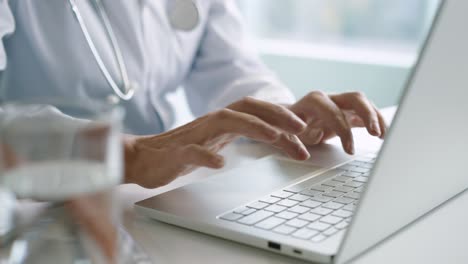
x=330, y=115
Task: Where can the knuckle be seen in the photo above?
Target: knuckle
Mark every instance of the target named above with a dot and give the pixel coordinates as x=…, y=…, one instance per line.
x=317, y=94
x=248, y=100
x=223, y=113
x=192, y=147
x=357, y=95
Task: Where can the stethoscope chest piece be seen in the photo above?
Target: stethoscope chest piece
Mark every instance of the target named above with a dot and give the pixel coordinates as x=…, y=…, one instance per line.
x=184, y=15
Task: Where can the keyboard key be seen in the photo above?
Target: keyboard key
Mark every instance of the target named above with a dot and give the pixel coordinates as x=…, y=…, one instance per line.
x=310, y=192
x=352, y=174
x=330, y=231
x=270, y=223
x=311, y=204
x=255, y=217
x=353, y=195
x=359, y=169
x=333, y=205
x=318, y=238
x=321, y=211
x=347, y=167
x=342, y=213
x=297, y=223
x=275, y=208
x=354, y=184
x=359, y=190
x=299, y=197
x=342, y=225
x=350, y=207
x=321, y=198
x=305, y=233
x=357, y=163
x=299, y=209
x=249, y=211
x=284, y=229
x=332, y=183
x=287, y=203
x=270, y=200
x=309, y=217
x=299, y=187
x=344, y=200
x=334, y=194
x=333, y=220
x=361, y=179
x=342, y=178
x=367, y=165
x=344, y=189
x=231, y=216
x=240, y=210
x=282, y=194
x=321, y=188
x=287, y=215
x=319, y=226
x=258, y=205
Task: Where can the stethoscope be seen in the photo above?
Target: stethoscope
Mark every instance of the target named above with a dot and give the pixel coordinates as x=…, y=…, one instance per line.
x=184, y=15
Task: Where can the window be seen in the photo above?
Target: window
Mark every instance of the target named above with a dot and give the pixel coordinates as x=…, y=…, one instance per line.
x=389, y=29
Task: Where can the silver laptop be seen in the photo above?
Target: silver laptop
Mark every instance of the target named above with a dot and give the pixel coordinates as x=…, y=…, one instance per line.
x=334, y=207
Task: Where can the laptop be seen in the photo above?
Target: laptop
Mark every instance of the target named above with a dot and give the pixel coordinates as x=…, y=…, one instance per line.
x=335, y=207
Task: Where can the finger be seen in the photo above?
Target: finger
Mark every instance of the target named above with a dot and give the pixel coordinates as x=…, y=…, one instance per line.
x=199, y=156
x=364, y=109
x=8, y=157
x=274, y=114
x=96, y=222
x=312, y=136
x=292, y=146
x=229, y=122
x=353, y=119
x=382, y=123
x=320, y=105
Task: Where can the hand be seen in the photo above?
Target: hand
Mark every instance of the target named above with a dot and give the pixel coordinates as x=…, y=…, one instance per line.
x=93, y=214
x=153, y=161
x=330, y=115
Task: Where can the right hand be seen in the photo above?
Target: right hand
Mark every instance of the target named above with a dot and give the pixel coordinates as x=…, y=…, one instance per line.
x=154, y=161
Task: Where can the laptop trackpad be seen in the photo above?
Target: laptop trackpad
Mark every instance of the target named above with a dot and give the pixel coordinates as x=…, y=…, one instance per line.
x=230, y=189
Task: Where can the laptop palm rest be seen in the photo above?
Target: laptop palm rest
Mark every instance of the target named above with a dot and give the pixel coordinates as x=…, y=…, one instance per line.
x=230, y=189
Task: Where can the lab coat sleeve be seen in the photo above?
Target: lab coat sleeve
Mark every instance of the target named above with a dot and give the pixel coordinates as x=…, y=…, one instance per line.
x=7, y=26
x=227, y=67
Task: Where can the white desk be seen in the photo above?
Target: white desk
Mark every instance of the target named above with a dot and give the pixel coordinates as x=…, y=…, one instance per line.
x=440, y=237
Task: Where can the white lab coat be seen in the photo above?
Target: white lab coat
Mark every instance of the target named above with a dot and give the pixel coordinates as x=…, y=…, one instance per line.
x=43, y=53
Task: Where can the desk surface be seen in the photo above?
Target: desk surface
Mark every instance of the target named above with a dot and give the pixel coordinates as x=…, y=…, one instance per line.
x=438, y=238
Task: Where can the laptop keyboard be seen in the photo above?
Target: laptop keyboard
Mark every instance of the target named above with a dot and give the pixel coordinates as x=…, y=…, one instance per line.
x=309, y=211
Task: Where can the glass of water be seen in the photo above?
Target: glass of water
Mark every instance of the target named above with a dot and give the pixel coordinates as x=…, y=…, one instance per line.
x=67, y=153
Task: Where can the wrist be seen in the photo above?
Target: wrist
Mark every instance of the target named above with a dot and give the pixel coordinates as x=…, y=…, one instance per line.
x=129, y=143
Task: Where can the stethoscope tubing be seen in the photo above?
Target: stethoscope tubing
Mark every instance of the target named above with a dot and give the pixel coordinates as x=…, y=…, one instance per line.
x=129, y=90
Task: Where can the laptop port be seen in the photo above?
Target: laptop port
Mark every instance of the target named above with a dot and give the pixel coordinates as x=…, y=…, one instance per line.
x=274, y=245
x=297, y=251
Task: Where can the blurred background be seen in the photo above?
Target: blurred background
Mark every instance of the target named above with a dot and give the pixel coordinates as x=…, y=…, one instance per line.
x=340, y=45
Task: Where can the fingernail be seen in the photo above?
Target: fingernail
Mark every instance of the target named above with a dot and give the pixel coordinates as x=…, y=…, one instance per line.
x=375, y=129
x=350, y=148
